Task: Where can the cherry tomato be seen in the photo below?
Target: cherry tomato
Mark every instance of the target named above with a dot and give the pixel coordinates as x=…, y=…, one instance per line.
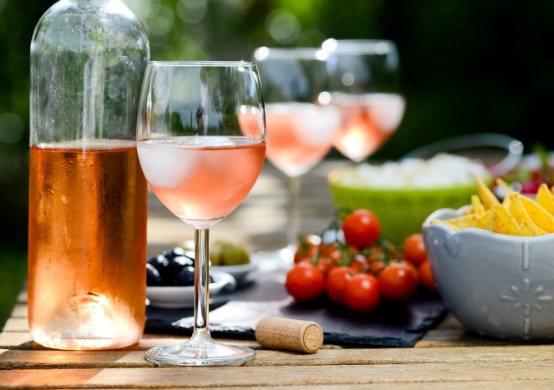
x=336, y=281
x=376, y=266
x=426, y=278
x=324, y=265
x=361, y=293
x=360, y=263
x=361, y=228
x=414, y=249
x=304, y=281
x=307, y=248
x=398, y=281
x=332, y=252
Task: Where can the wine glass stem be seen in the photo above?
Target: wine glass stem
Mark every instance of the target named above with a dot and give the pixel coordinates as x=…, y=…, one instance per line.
x=293, y=217
x=202, y=281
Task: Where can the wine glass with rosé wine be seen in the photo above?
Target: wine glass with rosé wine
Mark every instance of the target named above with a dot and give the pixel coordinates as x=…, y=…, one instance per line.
x=300, y=123
x=201, y=161
x=364, y=85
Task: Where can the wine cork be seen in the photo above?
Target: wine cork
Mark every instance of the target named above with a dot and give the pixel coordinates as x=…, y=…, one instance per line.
x=289, y=334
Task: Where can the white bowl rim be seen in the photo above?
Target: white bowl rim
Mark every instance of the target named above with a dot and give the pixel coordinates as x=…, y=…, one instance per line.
x=448, y=213
x=183, y=296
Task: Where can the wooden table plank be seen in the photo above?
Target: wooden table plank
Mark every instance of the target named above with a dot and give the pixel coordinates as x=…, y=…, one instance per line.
x=50, y=359
x=247, y=376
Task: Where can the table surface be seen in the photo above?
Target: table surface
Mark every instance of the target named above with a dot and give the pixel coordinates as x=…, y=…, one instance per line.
x=445, y=358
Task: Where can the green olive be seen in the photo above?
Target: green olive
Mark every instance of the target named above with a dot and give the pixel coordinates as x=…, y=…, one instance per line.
x=228, y=253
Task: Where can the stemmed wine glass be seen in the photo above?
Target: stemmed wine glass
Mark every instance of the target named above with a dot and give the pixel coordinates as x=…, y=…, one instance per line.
x=201, y=145
x=300, y=122
x=364, y=85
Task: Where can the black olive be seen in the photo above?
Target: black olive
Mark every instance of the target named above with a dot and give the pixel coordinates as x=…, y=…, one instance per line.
x=171, y=268
x=164, y=267
x=175, y=252
x=182, y=261
x=157, y=261
x=153, y=277
x=170, y=263
x=185, y=277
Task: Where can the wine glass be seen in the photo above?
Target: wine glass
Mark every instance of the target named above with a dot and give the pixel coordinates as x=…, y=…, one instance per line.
x=363, y=81
x=300, y=122
x=201, y=145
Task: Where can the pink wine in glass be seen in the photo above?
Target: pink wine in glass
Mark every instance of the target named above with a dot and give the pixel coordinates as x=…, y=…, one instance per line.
x=367, y=122
x=201, y=179
x=299, y=135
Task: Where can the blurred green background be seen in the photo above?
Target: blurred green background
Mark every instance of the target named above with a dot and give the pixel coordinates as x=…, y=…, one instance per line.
x=467, y=67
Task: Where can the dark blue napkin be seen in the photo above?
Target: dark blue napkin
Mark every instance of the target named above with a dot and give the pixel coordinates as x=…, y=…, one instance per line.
x=235, y=315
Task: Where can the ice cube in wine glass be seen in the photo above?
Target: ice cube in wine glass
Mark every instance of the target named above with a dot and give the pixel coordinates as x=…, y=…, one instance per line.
x=160, y=160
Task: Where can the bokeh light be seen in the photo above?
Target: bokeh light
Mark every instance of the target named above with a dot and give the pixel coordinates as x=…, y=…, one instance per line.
x=11, y=128
x=283, y=27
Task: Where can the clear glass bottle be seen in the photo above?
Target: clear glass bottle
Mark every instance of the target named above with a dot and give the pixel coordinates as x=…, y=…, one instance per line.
x=87, y=193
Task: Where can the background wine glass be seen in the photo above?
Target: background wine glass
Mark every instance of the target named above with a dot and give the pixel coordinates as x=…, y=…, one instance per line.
x=364, y=85
x=300, y=123
x=201, y=160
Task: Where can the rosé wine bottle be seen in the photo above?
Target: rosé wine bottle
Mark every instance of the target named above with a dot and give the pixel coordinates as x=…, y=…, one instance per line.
x=87, y=193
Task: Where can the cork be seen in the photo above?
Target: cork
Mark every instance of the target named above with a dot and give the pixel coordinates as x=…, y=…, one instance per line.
x=289, y=334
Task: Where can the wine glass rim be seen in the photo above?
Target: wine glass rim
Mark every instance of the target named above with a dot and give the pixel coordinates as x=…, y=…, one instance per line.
x=264, y=52
x=202, y=63
x=359, y=40
x=359, y=46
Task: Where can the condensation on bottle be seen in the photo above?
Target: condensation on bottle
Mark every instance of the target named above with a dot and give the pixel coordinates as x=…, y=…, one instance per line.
x=87, y=194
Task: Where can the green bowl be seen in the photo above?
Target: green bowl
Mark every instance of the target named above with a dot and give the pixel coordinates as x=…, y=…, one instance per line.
x=401, y=211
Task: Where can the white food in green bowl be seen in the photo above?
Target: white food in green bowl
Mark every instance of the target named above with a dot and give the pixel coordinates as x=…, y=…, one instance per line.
x=402, y=194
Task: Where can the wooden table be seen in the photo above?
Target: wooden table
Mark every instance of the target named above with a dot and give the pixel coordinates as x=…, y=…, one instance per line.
x=445, y=358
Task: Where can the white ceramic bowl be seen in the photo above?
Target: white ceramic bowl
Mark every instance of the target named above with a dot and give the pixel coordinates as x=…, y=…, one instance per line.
x=179, y=297
x=240, y=272
x=496, y=285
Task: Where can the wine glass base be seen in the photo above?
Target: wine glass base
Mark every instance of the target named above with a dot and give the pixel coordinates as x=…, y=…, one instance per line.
x=200, y=354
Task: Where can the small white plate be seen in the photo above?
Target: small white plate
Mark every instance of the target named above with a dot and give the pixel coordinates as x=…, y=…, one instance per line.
x=180, y=297
x=239, y=272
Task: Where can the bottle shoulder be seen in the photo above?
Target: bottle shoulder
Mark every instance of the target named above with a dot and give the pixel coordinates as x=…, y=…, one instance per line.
x=82, y=25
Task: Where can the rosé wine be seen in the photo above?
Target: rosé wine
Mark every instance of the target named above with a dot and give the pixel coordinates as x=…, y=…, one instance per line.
x=201, y=179
x=299, y=135
x=367, y=122
x=87, y=247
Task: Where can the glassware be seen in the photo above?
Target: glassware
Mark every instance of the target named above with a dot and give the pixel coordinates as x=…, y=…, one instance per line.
x=364, y=85
x=300, y=123
x=87, y=194
x=201, y=145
